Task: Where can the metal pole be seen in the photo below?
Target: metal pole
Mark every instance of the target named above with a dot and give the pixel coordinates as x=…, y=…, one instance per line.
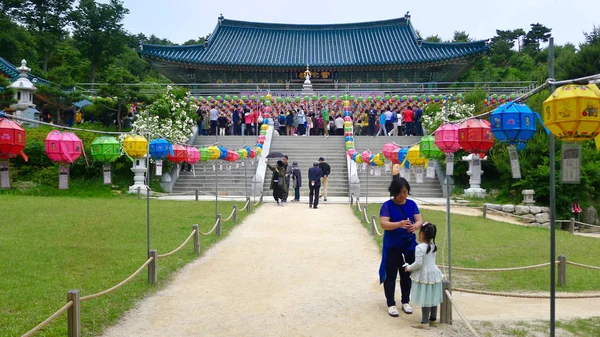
x=448, y=212
x=148, y=219
x=552, y=151
x=216, y=189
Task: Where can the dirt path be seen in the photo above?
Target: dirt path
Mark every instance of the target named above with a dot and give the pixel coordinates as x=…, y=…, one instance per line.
x=295, y=271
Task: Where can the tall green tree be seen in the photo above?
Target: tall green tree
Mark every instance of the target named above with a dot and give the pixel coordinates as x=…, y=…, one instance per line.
x=119, y=80
x=98, y=31
x=510, y=36
x=461, y=36
x=47, y=20
x=433, y=38
x=537, y=34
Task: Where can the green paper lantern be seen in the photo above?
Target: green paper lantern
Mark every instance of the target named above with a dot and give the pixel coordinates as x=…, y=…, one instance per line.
x=359, y=98
x=219, y=98
x=106, y=149
x=428, y=148
x=204, y=154
x=244, y=98
x=315, y=98
x=377, y=98
x=235, y=98
x=279, y=99
x=288, y=99
x=387, y=97
x=323, y=98
x=298, y=99
x=369, y=98
x=267, y=103
x=306, y=98
x=253, y=97
x=332, y=98
x=227, y=97
x=396, y=97
x=261, y=98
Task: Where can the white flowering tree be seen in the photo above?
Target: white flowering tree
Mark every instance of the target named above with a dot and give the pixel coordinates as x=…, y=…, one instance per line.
x=434, y=116
x=171, y=116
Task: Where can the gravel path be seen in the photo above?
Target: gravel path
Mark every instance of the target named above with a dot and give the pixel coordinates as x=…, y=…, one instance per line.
x=295, y=271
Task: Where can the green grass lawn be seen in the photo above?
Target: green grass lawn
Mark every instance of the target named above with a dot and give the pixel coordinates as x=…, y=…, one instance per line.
x=485, y=243
x=53, y=244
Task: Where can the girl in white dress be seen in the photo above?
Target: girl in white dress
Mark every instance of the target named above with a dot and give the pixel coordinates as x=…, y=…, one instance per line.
x=426, y=277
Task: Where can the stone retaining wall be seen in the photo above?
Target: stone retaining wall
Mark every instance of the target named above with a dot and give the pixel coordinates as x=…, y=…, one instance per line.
x=532, y=215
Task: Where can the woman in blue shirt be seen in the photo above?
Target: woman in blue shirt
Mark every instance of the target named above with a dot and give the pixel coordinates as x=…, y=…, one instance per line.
x=399, y=217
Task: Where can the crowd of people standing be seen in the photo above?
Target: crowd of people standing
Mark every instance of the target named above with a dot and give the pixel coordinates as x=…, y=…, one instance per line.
x=319, y=119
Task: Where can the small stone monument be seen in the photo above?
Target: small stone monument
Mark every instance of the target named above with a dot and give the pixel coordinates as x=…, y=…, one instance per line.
x=590, y=215
x=528, y=197
x=475, y=173
x=307, y=89
x=24, y=95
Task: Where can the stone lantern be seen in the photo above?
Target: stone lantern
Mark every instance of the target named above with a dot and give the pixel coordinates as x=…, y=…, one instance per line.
x=24, y=95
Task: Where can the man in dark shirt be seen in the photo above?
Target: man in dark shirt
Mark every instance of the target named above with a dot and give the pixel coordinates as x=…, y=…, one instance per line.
x=326, y=169
x=372, y=118
x=314, y=184
x=236, y=119
x=418, y=128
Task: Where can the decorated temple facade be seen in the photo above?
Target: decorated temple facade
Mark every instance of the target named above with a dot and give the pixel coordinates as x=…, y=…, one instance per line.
x=388, y=51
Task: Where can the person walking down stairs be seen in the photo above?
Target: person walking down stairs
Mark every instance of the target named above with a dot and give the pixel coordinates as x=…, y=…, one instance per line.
x=314, y=181
x=326, y=169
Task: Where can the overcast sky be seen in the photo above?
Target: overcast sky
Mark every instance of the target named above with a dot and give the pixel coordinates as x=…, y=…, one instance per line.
x=181, y=20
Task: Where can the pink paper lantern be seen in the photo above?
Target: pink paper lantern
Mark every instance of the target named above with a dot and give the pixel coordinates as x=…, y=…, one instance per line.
x=63, y=147
x=347, y=119
x=252, y=153
x=366, y=156
x=351, y=153
x=262, y=138
x=390, y=152
x=193, y=155
x=446, y=138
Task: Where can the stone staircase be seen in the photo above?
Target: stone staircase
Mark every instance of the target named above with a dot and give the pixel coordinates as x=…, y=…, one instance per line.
x=307, y=149
x=230, y=178
x=378, y=185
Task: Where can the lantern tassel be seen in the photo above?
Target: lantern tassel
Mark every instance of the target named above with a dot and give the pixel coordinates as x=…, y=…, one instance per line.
x=24, y=156
x=539, y=118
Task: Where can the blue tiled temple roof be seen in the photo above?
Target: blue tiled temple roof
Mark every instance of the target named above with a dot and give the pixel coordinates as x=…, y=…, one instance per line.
x=12, y=73
x=367, y=44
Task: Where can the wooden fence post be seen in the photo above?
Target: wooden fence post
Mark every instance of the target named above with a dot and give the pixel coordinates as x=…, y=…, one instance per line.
x=372, y=225
x=562, y=270
x=153, y=268
x=219, y=222
x=446, y=306
x=484, y=211
x=74, y=314
x=196, y=192
x=196, y=239
x=572, y=226
x=249, y=205
x=234, y=213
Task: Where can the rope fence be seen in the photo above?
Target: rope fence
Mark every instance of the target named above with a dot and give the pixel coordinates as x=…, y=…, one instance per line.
x=491, y=270
x=73, y=305
x=122, y=283
x=48, y=320
x=582, y=265
x=513, y=295
x=467, y=323
x=181, y=246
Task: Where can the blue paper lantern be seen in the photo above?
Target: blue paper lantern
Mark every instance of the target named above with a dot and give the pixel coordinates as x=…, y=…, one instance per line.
x=513, y=123
x=402, y=153
x=224, y=152
x=349, y=139
x=160, y=148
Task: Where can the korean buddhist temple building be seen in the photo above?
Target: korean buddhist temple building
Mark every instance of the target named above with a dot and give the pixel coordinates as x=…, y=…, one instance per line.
x=388, y=51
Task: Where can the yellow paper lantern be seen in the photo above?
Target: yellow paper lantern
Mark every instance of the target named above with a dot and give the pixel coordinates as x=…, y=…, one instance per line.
x=268, y=97
x=414, y=156
x=136, y=146
x=215, y=153
x=597, y=140
x=264, y=127
x=346, y=103
x=571, y=112
x=347, y=124
x=379, y=159
x=258, y=151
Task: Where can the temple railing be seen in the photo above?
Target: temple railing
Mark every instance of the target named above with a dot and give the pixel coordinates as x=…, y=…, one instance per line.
x=294, y=88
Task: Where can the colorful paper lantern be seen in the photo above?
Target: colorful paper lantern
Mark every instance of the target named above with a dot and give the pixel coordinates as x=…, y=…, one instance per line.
x=106, y=149
x=12, y=139
x=215, y=152
x=193, y=155
x=63, y=147
x=513, y=123
x=475, y=136
x=160, y=148
x=204, y=154
x=446, y=138
x=414, y=156
x=179, y=154
x=390, y=151
x=571, y=113
x=429, y=149
x=135, y=146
